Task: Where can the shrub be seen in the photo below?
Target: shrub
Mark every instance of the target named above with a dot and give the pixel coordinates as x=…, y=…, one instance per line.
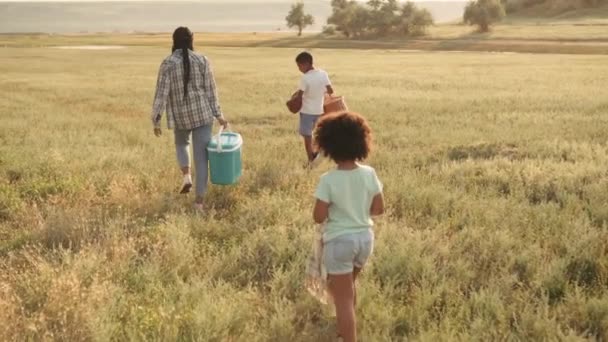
x=483, y=13
x=379, y=18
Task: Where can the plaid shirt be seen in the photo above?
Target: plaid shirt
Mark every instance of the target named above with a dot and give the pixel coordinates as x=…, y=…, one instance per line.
x=199, y=107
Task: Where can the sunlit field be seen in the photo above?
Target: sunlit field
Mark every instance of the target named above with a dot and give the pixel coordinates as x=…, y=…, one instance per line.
x=496, y=180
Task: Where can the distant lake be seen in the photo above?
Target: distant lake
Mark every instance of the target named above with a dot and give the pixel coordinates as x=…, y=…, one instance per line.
x=159, y=16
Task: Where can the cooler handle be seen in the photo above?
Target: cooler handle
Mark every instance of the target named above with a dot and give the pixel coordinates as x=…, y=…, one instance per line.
x=219, y=139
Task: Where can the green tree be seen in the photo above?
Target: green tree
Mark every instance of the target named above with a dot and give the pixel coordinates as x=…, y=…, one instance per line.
x=413, y=20
x=297, y=18
x=374, y=4
x=483, y=13
x=343, y=15
x=419, y=21
x=338, y=19
x=379, y=18
x=360, y=20
x=339, y=4
x=383, y=17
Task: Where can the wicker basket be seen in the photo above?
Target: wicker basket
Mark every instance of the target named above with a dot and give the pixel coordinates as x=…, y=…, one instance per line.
x=334, y=104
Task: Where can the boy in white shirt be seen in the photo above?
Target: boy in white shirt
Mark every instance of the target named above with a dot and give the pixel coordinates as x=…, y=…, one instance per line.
x=313, y=86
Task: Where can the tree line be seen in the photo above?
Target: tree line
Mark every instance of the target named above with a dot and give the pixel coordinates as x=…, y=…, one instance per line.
x=393, y=18
x=376, y=18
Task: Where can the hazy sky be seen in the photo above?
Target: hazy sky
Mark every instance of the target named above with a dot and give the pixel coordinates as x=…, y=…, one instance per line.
x=288, y=1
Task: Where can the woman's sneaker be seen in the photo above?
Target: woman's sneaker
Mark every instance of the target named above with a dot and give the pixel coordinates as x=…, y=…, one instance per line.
x=199, y=208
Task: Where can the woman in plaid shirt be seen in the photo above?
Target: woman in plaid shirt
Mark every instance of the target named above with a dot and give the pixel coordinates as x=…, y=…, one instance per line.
x=186, y=91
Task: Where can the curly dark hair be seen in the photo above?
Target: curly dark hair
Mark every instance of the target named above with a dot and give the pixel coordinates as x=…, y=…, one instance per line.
x=343, y=136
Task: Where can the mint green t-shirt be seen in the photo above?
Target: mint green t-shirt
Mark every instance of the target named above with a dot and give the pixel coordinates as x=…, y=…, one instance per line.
x=350, y=195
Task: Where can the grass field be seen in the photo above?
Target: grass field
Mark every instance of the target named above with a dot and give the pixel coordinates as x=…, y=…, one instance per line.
x=496, y=180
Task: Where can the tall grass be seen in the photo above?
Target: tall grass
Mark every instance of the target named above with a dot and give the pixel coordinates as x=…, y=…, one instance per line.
x=494, y=168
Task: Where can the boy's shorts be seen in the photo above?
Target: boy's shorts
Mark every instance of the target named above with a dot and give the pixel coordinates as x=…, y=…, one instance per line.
x=344, y=253
x=307, y=124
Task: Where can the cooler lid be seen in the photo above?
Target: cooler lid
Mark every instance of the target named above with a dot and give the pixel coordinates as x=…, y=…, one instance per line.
x=228, y=141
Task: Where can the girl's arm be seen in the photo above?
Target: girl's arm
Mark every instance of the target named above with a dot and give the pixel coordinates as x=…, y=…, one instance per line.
x=321, y=212
x=161, y=95
x=210, y=89
x=377, y=208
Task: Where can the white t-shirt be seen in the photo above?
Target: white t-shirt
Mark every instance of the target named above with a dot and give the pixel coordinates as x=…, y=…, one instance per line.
x=314, y=85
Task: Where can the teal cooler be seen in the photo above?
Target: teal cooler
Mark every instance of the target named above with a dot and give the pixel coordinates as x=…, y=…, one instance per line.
x=225, y=158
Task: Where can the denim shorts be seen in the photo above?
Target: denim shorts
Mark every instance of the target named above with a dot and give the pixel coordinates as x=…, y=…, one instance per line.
x=344, y=253
x=307, y=124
